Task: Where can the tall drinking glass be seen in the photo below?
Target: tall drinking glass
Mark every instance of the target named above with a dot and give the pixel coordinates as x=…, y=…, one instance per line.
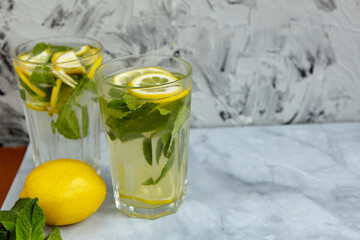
x=59, y=97
x=145, y=108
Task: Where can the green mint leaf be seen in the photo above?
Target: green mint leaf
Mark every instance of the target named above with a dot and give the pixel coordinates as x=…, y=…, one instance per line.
x=141, y=111
x=114, y=109
x=8, y=220
x=30, y=222
x=91, y=86
x=131, y=136
x=27, y=89
x=54, y=234
x=56, y=48
x=67, y=123
x=149, y=182
x=40, y=47
x=147, y=151
x=159, y=150
x=42, y=74
x=164, y=111
x=145, y=123
x=166, y=168
x=131, y=101
x=116, y=93
x=22, y=95
x=119, y=105
x=53, y=126
x=20, y=204
x=85, y=120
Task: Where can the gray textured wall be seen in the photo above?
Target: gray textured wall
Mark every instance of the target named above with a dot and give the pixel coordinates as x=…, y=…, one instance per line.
x=255, y=61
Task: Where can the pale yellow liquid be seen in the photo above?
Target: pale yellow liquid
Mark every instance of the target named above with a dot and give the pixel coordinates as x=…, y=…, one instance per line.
x=130, y=170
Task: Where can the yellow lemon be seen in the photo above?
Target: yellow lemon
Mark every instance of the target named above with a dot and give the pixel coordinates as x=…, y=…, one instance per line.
x=68, y=190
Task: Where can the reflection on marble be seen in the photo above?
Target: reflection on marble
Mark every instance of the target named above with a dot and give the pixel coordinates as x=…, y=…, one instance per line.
x=255, y=62
x=272, y=183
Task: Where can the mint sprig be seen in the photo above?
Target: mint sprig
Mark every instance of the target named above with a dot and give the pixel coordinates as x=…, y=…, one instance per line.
x=42, y=74
x=25, y=221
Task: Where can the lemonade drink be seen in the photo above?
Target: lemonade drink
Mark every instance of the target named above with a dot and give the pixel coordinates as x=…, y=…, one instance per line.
x=59, y=97
x=145, y=112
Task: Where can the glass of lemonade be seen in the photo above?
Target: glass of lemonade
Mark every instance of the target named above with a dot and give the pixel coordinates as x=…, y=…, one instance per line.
x=145, y=108
x=59, y=97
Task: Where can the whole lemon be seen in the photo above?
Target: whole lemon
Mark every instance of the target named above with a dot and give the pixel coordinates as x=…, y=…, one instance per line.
x=68, y=190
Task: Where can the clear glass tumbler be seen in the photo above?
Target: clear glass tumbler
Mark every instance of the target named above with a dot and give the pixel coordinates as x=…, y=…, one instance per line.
x=59, y=97
x=145, y=108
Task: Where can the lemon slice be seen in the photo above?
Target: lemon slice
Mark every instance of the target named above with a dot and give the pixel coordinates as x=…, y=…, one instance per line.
x=125, y=77
x=26, y=81
x=68, y=61
x=42, y=57
x=94, y=67
x=25, y=67
x=87, y=59
x=84, y=49
x=149, y=81
x=38, y=107
x=54, y=96
x=61, y=74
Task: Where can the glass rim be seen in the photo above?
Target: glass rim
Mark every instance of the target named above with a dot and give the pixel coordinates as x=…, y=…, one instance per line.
x=186, y=76
x=16, y=58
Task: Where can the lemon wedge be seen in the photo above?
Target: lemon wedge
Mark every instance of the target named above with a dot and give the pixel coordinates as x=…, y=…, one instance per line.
x=148, y=89
x=26, y=81
x=125, y=77
x=61, y=74
x=68, y=61
x=89, y=57
x=38, y=107
x=42, y=57
x=54, y=96
x=84, y=49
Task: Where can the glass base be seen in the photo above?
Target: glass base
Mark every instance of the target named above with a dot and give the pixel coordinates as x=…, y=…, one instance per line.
x=148, y=211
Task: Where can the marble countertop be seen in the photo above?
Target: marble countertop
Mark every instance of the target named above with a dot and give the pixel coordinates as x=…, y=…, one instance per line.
x=272, y=183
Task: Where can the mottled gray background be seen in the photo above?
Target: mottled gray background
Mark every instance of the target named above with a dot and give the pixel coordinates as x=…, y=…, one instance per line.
x=255, y=61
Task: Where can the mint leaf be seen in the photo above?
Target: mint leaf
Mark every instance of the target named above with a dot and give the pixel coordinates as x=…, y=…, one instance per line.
x=144, y=109
x=91, y=86
x=159, y=150
x=67, y=123
x=27, y=89
x=56, y=48
x=147, y=151
x=116, y=93
x=30, y=222
x=54, y=234
x=42, y=74
x=131, y=101
x=167, y=167
x=164, y=111
x=8, y=220
x=22, y=94
x=119, y=105
x=145, y=123
x=40, y=47
x=85, y=120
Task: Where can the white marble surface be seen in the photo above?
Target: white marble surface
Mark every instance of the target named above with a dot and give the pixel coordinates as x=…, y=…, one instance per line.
x=255, y=61
x=273, y=183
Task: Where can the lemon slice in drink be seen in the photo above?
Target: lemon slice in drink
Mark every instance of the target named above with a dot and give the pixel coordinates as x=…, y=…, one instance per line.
x=68, y=61
x=42, y=107
x=84, y=49
x=149, y=82
x=125, y=77
x=42, y=57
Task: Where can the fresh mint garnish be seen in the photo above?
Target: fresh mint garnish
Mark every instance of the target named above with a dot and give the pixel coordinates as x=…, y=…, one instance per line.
x=39, y=48
x=85, y=120
x=147, y=150
x=67, y=123
x=30, y=222
x=42, y=74
x=25, y=221
x=56, y=48
x=54, y=234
